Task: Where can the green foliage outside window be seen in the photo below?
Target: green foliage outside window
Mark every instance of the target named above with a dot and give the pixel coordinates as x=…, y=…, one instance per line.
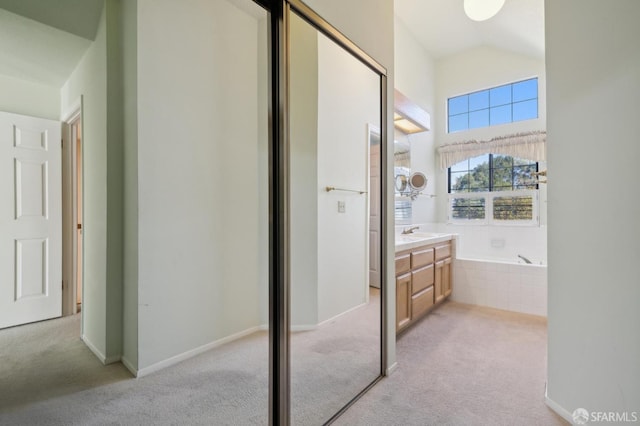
x=491, y=173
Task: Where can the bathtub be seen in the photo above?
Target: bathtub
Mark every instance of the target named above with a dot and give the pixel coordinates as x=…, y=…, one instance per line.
x=511, y=286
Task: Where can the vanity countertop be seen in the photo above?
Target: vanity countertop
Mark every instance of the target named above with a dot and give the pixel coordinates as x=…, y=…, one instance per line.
x=417, y=239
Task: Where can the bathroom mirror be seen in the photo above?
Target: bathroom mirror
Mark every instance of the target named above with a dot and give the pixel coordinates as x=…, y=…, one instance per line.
x=401, y=172
x=417, y=181
x=401, y=164
x=401, y=183
x=335, y=333
x=402, y=154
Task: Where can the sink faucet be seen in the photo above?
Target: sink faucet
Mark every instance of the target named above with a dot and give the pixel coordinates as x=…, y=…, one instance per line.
x=527, y=261
x=409, y=230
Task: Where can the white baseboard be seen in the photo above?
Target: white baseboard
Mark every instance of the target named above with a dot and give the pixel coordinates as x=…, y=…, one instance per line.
x=193, y=352
x=391, y=369
x=311, y=327
x=560, y=410
x=129, y=365
x=106, y=360
x=341, y=314
x=265, y=327
x=96, y=351
x=112, y=359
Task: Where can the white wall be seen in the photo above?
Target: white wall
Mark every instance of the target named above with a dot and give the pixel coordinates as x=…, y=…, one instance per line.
x=29, y=98
x=89, y=79
x=415, y=78
x=198, y=183
x=130, y=267
x=304, y=174
x=373, y=32
x=115, y=180
x=502, y=243
x=263, y=166
x=348, y=100
x=97, y=80
x=333, y=98
x=593, y=64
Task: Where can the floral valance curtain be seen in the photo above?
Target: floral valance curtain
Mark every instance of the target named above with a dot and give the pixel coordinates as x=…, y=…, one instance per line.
x=531, y=146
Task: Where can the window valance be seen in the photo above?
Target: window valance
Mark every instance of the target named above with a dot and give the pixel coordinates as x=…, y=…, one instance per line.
x=530, y=145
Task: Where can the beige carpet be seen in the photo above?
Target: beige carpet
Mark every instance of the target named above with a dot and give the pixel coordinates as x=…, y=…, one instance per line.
x=459, y=366
x=49, y=377
x=463, y=365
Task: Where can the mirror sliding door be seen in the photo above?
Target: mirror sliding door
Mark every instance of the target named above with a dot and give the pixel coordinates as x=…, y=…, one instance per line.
x=334, y=213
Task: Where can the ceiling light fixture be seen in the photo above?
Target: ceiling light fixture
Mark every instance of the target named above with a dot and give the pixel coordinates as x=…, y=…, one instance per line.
x=481, y=10
x=408, y=117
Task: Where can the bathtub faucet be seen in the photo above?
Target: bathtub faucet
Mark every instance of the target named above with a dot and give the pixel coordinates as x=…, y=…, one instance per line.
x=409, y=230
x=525, y=259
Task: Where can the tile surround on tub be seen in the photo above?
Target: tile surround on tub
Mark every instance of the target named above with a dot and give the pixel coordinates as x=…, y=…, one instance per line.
x=501, y=284
x=511, y=287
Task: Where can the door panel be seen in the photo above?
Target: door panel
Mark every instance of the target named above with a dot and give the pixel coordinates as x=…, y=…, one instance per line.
x=335, y=309
x=30, y=220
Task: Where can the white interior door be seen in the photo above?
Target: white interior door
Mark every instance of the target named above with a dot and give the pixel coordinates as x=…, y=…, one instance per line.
x=30, y=220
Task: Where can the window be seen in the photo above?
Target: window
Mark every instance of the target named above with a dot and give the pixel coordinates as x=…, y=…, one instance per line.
x=493, y=189
x=490, y=107
x=403, y=212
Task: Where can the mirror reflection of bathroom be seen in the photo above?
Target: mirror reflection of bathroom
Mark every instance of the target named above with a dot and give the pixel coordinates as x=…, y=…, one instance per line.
x=401, y=165
x=401, y=173
x=335, y=309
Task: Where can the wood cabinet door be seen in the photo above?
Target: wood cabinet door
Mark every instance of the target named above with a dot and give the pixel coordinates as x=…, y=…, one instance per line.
x=446, y=278
x=421, y=302
x=438, y=286
x=443, y=251
x=403, y=263
x=403, y=301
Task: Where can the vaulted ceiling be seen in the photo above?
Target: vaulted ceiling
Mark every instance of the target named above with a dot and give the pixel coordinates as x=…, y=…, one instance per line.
x=442, y=27
x=42, y=41
x=78, y=17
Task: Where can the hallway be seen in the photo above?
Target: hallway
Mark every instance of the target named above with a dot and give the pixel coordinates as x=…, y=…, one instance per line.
x=460, y=365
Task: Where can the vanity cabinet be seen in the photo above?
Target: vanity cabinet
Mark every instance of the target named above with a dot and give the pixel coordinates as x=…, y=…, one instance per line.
x=442, y=276
x=423, y=280
x=403, y=301
x=403, y=290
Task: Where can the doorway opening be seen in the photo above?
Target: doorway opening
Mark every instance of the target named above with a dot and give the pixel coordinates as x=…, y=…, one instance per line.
x=72, y=212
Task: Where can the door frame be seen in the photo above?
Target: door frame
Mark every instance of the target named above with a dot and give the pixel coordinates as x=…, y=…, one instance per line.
x=372, y=129
x=70, y=199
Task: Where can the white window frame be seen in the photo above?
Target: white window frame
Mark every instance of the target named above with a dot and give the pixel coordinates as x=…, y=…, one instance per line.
x=488, y=203
x=537, y=98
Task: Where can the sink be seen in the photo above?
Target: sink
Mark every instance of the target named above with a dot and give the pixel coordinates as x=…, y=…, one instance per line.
x=416, y=239
x=417, y=236
x=425, y=234
x=405, y=238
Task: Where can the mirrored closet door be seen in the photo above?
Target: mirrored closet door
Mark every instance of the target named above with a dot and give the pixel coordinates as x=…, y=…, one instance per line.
x=335, y=311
